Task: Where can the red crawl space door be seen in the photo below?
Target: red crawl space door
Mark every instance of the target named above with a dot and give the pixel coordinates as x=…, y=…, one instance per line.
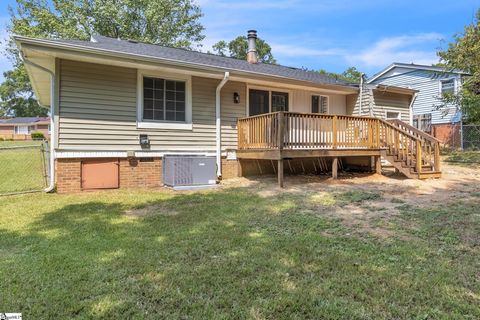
x=100, y=174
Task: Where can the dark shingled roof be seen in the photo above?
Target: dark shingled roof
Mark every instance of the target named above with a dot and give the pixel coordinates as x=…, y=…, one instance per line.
x=22, y=120
x=203, y=59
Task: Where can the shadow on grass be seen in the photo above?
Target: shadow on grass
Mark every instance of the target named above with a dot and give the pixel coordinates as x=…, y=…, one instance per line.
x=223, y=254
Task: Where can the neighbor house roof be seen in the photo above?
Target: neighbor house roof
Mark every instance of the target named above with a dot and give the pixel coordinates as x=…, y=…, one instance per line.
x=24, y=120
x=413, y=66
x=136, y=49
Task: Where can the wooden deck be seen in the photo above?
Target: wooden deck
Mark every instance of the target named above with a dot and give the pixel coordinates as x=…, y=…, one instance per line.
x=287, y=135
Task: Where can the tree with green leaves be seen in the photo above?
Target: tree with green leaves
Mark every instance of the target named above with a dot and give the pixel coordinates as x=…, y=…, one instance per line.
x=238, y=48
x=464, y=54
x=350, y=75
x=172, y=23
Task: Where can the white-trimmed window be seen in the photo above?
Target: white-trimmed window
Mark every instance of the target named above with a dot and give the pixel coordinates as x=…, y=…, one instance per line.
x=164, y=101
x=391, y=115
x=447, y=86
x=265, y=101
x=319, y=104
x=22, y=130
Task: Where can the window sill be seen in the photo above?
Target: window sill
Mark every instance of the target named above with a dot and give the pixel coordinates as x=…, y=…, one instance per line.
x=164, y=125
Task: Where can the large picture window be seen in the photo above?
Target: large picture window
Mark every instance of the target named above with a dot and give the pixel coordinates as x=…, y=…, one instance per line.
x=163, y=100
x=264, y=101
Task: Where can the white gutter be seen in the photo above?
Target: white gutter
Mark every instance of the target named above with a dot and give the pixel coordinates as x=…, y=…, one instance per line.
x=218, y=124
x=414, y=97
x=51, y=184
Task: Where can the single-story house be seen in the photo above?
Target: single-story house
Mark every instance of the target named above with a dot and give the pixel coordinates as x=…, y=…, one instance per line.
x=130, y=114
x=430, y=83
x=21, y=128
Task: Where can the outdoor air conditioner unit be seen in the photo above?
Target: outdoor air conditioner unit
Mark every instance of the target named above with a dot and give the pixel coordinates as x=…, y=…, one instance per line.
x=189, y=170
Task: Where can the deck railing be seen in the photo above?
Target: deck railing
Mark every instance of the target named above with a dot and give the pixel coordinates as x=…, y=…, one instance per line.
x=289, y=130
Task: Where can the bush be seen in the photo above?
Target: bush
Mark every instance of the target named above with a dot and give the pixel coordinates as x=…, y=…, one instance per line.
x=38, y=136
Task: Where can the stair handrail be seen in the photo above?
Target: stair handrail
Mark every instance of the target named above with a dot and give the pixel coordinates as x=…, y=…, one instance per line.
x=421, y=139
x=417, y=131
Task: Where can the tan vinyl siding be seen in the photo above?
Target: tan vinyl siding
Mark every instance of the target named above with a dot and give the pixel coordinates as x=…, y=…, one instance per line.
x=381, y=102
x=391, y=102
x=353, y=103
x=98, y=112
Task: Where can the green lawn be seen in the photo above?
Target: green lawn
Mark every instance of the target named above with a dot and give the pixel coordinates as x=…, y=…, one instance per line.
x=21, y=169
x=233, y=254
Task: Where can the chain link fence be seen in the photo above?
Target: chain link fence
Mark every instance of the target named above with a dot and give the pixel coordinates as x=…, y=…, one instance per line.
x=471, y=137
x=23, y=166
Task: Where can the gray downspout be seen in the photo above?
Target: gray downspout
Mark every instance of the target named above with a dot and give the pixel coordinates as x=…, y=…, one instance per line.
x=51, y=185
x=218, y=124
x=411, y=107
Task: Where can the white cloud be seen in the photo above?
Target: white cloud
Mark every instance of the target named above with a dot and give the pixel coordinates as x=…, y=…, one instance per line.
x=405, y=48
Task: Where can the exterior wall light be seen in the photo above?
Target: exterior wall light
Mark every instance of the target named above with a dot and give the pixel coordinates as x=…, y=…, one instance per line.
x=236, y=97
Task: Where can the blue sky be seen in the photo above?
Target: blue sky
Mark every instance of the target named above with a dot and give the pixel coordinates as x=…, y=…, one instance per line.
x=333, y=34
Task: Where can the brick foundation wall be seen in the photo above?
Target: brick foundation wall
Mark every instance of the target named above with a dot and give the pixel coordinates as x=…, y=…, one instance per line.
x=448, y=134
x=68, y=175
x=230, y=169
x=132, y=174
x=138, y=173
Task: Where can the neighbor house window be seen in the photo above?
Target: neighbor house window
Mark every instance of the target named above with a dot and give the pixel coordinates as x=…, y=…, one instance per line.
x=264, y=101
x=448, y=86
x=319, y=104
x=392, y=115
x=163, y=100
x=22, y=130
x=423, y=122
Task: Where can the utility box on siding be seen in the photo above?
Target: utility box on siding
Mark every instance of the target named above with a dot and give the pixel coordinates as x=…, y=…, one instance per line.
x=189, y=170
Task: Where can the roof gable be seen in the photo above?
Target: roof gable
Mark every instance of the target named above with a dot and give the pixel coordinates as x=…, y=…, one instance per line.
x=397, y=65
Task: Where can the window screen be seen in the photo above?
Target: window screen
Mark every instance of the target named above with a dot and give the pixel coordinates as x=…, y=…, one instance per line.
x=393, y=115
x=163, y=99
x=319, y=104
x=279, y=101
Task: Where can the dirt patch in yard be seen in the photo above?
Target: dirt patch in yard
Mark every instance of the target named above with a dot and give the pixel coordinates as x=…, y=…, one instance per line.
x=368, y=202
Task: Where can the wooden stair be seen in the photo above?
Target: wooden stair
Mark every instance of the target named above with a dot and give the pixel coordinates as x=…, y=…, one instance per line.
x=411, y=151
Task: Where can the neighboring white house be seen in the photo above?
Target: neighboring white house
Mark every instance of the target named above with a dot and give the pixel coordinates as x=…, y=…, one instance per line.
x=430, y=82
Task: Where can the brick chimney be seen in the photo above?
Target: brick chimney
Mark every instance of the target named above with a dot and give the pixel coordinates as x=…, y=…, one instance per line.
x=252, y=46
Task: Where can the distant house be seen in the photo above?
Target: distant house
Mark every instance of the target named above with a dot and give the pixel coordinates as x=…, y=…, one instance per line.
x=21, y=128
x=431, y=83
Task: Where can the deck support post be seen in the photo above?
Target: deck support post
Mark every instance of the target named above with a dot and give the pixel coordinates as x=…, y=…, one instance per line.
x=378, y=165
x=335, y=168
x=280, y=172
